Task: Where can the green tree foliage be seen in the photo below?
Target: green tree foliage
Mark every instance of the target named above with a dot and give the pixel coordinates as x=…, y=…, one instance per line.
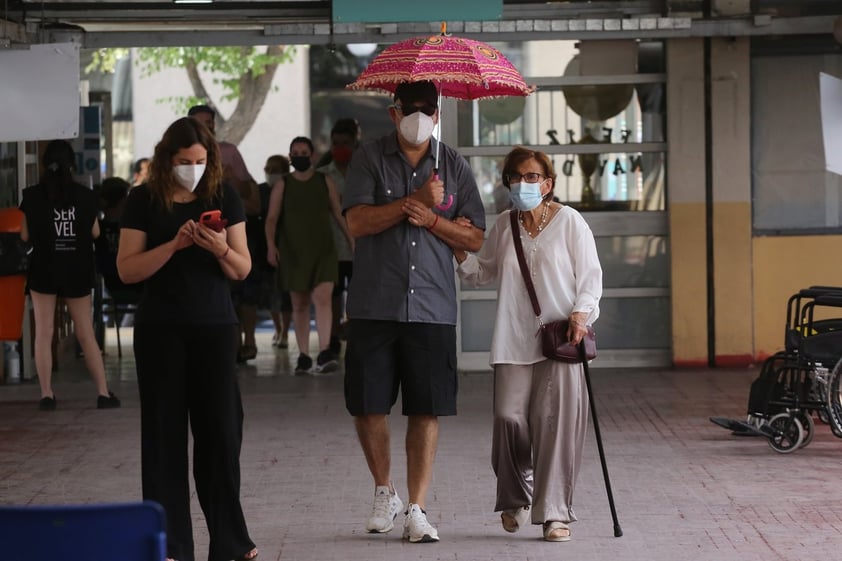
x=245, y=74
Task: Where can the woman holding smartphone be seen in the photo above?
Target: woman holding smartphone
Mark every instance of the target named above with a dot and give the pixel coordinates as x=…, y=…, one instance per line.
x=185, y=337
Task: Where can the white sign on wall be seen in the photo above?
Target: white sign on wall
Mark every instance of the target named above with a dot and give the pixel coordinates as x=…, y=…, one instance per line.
x=831, y=105
x=39, y=92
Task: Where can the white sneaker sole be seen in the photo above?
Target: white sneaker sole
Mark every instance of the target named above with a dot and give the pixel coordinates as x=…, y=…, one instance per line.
x=385, y=530
x=327, y=367
x=426, y=538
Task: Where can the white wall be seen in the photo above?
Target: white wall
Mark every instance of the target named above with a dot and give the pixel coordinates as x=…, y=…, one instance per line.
x=285, y=114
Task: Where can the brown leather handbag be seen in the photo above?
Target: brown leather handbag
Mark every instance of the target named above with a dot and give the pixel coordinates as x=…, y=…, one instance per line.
x=554, y=341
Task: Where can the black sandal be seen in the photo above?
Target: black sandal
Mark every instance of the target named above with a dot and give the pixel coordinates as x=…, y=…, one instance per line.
x=47, y=403
x=109, y=401
x=246, y=353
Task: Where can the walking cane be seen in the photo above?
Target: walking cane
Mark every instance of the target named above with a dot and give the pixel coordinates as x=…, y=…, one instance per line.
x=617, y=530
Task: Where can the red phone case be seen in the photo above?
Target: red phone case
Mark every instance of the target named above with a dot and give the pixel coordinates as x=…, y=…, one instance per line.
x=213, y=220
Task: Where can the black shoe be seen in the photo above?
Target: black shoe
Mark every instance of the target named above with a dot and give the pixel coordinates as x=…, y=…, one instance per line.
x=335, y=346
x=246, y=353
x=326, y=361
x=109, y=402
x=47, y=403
x=305, y=363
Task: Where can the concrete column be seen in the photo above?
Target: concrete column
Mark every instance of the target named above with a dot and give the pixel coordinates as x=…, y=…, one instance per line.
x=732, y=223
x=686, y=199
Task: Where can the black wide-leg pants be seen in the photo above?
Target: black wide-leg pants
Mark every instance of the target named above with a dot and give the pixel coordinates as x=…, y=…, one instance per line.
x=187, y=374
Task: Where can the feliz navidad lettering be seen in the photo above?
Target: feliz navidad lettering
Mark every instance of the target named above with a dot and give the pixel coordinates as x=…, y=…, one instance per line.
x=635, y=161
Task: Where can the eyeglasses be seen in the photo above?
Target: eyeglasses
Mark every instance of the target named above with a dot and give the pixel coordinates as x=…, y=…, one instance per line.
x=530, y=177
x=426, y=109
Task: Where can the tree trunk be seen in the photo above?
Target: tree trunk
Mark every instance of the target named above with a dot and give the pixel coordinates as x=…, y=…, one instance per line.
x=253, y=92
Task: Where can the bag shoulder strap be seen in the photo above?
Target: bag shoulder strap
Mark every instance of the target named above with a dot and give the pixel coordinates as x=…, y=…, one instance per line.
x=521, y=259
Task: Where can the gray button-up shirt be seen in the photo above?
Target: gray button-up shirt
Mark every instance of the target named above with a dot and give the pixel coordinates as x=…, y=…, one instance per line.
x=406, y=273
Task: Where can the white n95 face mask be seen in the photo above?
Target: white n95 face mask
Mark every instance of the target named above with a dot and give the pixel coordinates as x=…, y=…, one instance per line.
x=417, y=128
x=189, y=175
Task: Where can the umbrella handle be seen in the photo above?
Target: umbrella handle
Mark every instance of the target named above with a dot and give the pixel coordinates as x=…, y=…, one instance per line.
x=443, y=205
x=448, y=204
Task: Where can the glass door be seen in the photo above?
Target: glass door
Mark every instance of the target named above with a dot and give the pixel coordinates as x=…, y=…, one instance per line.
x=606, y=136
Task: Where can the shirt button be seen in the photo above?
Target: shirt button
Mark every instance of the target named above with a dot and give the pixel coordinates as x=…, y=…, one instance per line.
x=388, y=191
x=413, y=244
x=412, y=291
x=412, y=267
x=414, y=174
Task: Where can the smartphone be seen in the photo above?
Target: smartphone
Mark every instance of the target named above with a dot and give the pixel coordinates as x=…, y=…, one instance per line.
x=213, y=220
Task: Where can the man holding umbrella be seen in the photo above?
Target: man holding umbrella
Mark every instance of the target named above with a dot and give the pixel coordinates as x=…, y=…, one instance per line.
x=400, y=209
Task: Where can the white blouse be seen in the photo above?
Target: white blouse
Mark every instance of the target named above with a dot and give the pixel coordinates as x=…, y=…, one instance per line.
x=565, y=270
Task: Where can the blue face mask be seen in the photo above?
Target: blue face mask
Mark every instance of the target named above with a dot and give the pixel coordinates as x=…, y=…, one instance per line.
x=525, y=196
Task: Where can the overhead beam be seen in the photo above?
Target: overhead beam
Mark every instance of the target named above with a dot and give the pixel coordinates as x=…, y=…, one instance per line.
x=516, y=30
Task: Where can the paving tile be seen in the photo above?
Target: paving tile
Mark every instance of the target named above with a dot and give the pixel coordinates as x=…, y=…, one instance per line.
x=685, y=489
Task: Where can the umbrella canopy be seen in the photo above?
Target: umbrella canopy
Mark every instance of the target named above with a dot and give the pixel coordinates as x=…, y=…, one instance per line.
x=460, y=68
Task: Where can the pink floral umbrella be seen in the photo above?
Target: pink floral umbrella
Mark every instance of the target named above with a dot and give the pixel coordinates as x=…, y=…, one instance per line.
x=460, y=68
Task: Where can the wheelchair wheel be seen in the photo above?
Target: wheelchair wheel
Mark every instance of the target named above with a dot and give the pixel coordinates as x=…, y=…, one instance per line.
x=808, y=425
x=788, y=433
x=834, y=399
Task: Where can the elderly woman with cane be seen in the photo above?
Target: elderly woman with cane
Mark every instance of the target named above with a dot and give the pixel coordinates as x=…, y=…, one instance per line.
x=540, y=404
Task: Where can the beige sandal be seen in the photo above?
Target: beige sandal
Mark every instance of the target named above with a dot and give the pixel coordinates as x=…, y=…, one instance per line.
x=248, y=556
x=556, y=531
x=515, y=518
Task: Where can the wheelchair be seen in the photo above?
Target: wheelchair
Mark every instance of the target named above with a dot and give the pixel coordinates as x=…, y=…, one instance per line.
x=803, y=380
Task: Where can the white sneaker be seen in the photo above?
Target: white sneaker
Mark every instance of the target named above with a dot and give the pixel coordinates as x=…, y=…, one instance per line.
x=416, y=528
x=387, y=505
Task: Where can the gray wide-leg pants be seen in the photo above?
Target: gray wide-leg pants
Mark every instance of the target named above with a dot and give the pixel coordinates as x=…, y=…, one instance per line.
x=540, y=421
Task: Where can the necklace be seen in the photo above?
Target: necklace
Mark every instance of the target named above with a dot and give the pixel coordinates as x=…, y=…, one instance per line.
x=545, y=214
x=182, y=197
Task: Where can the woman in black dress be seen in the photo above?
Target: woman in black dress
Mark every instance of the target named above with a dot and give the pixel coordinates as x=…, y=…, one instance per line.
x=60, y=222
x=185, y=338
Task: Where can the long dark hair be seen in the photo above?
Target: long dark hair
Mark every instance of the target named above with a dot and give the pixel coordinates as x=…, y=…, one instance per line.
x=184, y=133
x=59, y=162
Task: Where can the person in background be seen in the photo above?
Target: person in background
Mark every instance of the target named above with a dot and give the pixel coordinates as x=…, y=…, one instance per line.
x=345, y=123
x=185, y=338
x=235, y=173
x=540, y=405
x=60, y=222
x=280, y=304
x=344, y=139
x=140, y=172
x=300, y=242
x=234, y=168
x=113, y=192
x=247, y=293
x=402, y=298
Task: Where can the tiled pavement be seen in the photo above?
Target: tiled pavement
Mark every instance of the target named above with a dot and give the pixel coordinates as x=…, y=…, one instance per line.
x=685, y=489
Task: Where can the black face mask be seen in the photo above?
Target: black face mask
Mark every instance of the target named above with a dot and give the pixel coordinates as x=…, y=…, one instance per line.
x=301, y=163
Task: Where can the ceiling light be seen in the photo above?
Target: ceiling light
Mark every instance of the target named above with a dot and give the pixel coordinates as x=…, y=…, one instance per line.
x=193, y=1
x=362, y=49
